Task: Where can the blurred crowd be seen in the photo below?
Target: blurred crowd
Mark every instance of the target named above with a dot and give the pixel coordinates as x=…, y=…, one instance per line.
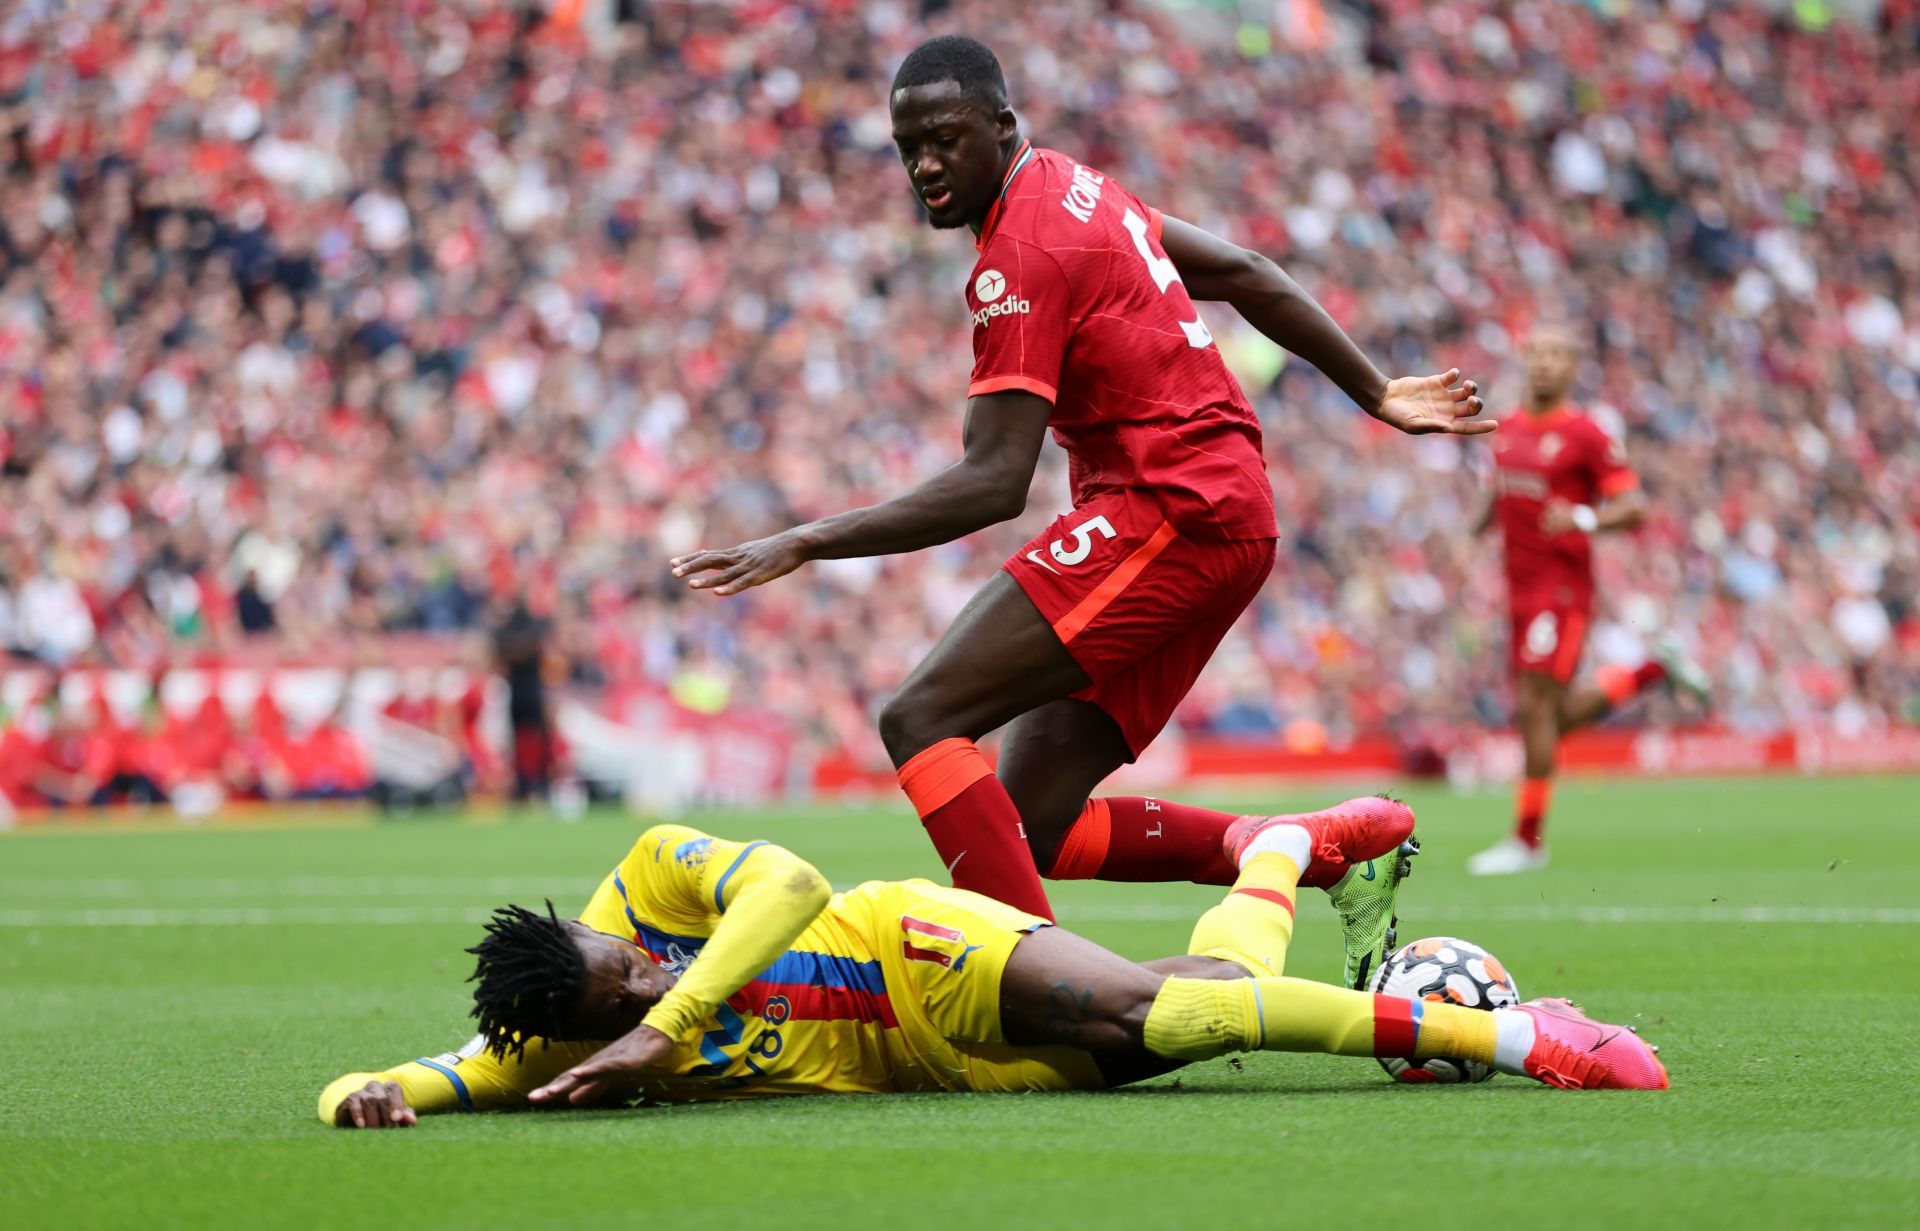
x=319, y=320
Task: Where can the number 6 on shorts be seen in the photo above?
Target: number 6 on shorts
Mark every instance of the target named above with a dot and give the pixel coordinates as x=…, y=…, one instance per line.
x=1543, y=635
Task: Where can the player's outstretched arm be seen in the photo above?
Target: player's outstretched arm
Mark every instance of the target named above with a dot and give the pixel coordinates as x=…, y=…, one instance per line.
x=1621, y=512
x=988, y=485
x=1275, y=304
x=765, y=896
x=471, y=1079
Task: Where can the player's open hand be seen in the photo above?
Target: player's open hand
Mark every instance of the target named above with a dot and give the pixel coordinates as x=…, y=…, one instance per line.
x=640, y=1048
x=739, y=568
x=378, y=1104
x=1418, y=405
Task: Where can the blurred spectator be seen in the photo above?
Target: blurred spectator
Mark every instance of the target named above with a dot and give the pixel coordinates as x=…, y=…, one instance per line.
x=91, y=758
x=200, y=747
x=19, y=761
x=251, y=607
x=327, y=762
x=53, y=622
x=382, y=308
x=520, y=648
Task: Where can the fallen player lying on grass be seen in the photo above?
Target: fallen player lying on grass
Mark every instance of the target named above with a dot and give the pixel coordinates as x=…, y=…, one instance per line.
x=709, y=969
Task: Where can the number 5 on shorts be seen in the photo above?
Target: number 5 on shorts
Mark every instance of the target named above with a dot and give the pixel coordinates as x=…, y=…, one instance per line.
x=1082, y=536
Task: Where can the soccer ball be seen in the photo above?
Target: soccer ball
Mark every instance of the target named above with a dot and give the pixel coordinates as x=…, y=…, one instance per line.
x=1454, y=971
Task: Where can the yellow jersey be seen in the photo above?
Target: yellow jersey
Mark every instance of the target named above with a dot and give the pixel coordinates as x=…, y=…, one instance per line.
x=890, y=987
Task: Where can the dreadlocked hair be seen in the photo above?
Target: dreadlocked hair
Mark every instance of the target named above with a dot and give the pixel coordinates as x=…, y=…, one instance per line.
x=530, y=977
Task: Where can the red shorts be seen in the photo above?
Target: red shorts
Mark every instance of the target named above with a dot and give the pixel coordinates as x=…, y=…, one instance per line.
x=1548, y=636
x=1139, y=607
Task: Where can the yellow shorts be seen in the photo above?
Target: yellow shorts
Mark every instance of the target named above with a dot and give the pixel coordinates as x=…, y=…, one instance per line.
x=943, y=952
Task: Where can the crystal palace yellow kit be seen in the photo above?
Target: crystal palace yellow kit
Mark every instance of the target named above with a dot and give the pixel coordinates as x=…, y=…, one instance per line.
x=894, y=986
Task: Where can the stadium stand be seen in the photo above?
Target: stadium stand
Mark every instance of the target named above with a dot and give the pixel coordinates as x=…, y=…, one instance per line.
x=324, y=324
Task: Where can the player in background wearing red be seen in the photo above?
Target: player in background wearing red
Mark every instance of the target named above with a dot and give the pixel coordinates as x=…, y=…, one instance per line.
x=1086, y=641
x=1559, y=479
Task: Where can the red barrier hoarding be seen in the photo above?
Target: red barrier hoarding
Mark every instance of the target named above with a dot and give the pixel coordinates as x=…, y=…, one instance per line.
x=1496, y=756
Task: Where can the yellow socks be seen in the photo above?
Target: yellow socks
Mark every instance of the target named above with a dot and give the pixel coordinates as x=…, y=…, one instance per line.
x=1197, y=1019
x=1462, y=1033
x=1253, y=926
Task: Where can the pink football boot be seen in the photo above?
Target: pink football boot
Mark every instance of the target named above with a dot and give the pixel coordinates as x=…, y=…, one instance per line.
x=1350, y=832
x=1574, y=1052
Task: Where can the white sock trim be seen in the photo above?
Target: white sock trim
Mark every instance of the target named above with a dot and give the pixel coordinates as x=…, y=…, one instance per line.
x=1513, y=1042
x=1289, y=840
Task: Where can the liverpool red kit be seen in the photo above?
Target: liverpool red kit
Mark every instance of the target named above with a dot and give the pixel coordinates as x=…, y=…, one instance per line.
x=1172, y=530
x=1563, y=455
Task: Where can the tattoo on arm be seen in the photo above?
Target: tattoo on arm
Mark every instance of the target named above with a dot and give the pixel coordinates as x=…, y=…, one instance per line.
x=1068, y=1011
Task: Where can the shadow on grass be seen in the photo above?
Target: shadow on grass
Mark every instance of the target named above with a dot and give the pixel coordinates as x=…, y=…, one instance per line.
x=868, y=1105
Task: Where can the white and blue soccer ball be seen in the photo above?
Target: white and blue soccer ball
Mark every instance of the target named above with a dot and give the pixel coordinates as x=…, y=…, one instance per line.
x=1451, y=971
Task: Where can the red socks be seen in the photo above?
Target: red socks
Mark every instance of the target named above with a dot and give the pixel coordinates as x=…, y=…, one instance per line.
x=974, y=824
x=1530, y=810
x=1129, y=838
x=977, y=831
x=1621, y=685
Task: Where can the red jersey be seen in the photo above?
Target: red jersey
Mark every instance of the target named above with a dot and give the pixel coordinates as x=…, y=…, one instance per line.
x=1073, y=299
x=1566, y=455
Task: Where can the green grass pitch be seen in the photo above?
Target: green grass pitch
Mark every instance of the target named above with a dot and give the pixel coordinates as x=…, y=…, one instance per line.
x=172, y=1002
